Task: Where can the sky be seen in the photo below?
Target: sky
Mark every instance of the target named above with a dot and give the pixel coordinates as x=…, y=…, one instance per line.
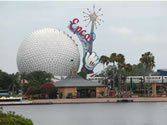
x=131, y=28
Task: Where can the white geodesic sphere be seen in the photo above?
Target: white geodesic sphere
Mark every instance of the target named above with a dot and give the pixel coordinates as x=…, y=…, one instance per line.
x=48, y=50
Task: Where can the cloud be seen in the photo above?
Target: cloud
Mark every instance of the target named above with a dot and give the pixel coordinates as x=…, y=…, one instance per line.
x=145, y=38
x=120, y=30
x=137, y=37
x=149, y=39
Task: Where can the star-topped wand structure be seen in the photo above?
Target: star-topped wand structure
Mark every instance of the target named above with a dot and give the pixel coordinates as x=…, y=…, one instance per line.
x=92, y=17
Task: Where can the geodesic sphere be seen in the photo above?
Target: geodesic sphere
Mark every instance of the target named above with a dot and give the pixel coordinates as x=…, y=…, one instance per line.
x=48, y=50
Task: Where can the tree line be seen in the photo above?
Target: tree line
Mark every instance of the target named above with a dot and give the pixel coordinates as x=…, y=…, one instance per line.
x=115, y=68
x=37, y=82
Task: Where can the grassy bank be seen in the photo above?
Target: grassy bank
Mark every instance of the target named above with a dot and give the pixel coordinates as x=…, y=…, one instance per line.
x=11, y=118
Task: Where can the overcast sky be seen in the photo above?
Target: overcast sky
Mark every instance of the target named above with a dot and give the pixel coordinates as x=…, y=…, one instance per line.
x=130, y=28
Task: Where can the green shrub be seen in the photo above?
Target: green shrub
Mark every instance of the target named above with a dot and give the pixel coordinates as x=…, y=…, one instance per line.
x=69, y=96
x=11, y=118
x=61, y=95
x=102, y=93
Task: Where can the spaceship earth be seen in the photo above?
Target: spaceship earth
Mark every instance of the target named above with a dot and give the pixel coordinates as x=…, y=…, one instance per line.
x=48, y=50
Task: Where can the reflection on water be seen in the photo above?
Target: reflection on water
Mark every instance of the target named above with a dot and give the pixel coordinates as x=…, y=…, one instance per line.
x=95, y=114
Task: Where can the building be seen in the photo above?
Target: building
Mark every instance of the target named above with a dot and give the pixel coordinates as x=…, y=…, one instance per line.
x=163, y=72
x=4, y=93
x=48, y=50
x=76, y=87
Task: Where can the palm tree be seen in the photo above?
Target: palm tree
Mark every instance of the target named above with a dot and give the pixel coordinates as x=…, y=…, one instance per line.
x=113, y=59
x=127, y=68
x=147, y=60
x=121, y=64
x=120, y=60
x=104, y=60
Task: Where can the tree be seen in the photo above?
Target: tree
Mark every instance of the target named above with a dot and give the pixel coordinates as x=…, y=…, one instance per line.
x=10, y=82
x=121, y=64
x=40, y=77
x=36, y=78
x=121, y=61
x=5, y=80
x=117, y=69
x=126, y=69
x=23, y=77
x=104, y=60
x=48, y=89
x=33, y=90
x=118, y=63
x=113, y=58
x=135, y=70
x=147, y=59
x=15, y=82
x=112, y=75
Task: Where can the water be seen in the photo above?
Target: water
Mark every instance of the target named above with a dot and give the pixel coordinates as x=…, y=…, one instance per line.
x=95, y=114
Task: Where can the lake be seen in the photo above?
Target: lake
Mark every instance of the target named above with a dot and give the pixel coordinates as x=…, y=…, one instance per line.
x=94, y=114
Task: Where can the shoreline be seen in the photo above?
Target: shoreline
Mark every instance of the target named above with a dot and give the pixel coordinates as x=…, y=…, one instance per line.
x=85, y=100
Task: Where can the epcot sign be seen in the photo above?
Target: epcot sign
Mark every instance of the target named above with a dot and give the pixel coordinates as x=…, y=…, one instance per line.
x=90, y=58
x=79, y=31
